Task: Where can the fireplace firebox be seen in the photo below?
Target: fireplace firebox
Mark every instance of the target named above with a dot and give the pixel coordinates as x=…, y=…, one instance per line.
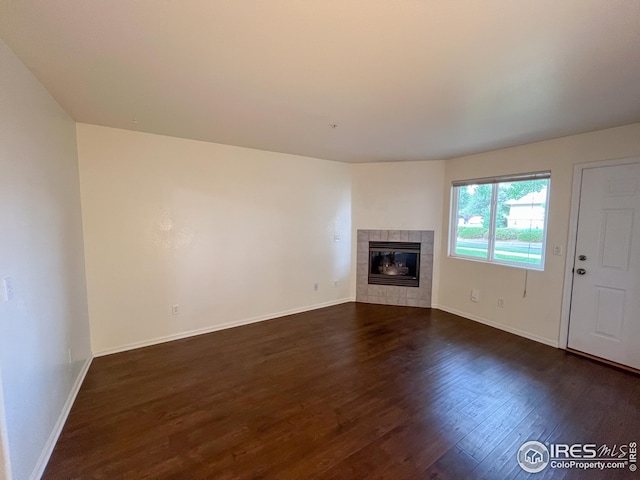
x=394, y=263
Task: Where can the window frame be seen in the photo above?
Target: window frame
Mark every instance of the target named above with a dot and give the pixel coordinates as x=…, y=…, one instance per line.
x=495, y=182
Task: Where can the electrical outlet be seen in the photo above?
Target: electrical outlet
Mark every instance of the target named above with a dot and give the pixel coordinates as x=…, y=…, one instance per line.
x=315, y=287
x=475, y=295
x=175, y=310
x=558, y=250
x=336, y=238
x=501, y=302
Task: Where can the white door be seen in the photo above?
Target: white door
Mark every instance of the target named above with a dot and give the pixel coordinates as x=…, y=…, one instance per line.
x=605, y=303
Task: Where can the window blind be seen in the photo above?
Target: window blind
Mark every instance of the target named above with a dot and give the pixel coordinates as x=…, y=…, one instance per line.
x=502, y=179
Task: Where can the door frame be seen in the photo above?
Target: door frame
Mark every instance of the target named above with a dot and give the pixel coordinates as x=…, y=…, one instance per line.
x=576, y=187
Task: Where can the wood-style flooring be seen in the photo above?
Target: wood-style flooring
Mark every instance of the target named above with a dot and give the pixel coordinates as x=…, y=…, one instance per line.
x=354, y=391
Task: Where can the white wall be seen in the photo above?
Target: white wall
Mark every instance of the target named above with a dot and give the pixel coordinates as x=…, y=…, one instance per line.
x=42, y=251
x=399, y=196
x=538, y=314
x=230, y=234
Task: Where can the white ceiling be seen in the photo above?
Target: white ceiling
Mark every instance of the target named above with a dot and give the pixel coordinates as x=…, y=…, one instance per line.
x=402, y=79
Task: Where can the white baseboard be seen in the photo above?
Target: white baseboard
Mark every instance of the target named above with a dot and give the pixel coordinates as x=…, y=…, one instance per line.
x=499, y=326
x=215, y=328
x=41, y=464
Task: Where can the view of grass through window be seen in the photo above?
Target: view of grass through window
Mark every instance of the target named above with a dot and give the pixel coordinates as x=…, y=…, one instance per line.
x=501, y=221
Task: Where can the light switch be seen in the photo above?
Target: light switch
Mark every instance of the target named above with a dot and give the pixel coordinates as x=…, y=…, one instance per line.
x=8, y=289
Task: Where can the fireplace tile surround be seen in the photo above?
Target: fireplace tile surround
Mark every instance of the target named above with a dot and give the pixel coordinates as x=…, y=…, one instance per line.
x=394, y=295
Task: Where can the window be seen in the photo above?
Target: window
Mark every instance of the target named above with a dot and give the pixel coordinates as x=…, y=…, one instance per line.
x=501, y=219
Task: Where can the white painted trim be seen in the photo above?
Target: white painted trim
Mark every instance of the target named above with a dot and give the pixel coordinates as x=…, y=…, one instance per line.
x=571, y=253
x=5, y=460
x=41, y=464
x=506, y=328
x=215, y=328
x=571, y=242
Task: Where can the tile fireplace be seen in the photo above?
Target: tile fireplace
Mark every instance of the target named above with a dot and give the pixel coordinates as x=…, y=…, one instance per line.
x=395, y=267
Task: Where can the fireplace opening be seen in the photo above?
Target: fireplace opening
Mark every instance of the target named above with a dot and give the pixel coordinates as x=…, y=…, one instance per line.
x=394, y=263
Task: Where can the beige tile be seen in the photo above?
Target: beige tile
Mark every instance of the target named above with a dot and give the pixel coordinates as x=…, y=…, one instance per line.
x=379, y=300
x=415, y=236
x=397, y=292
x=426, y=263
x=362, y=298
x=426, y=248
x=384, y=235
x=374, y=235
x=413, y=293
x=393, y=300
x=363, y=257
x=394, y=236
x=373, y=290
x=362, y=291
x=363, y=247
x=426, y=275
x=427, y=236
x=404, y=235
x=363, y=235
x=425, y=278
x=362, y=279
x=425, y=303
x=413, y=302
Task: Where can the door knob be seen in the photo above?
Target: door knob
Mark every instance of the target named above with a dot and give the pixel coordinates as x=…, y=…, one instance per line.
x=581, y=271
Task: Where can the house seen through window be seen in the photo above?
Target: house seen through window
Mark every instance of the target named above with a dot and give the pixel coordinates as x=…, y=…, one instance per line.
x=501, y=219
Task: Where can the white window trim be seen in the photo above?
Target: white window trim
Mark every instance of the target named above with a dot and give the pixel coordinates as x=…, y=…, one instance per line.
x=494, y=181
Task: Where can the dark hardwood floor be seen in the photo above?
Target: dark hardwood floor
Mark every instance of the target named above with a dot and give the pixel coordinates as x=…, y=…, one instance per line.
x=354, y=391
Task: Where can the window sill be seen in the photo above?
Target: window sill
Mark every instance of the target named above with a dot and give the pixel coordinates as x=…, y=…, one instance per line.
x=538, y=268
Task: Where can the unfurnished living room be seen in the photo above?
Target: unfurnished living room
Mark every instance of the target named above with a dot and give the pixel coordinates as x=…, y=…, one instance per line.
x=338, y=239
